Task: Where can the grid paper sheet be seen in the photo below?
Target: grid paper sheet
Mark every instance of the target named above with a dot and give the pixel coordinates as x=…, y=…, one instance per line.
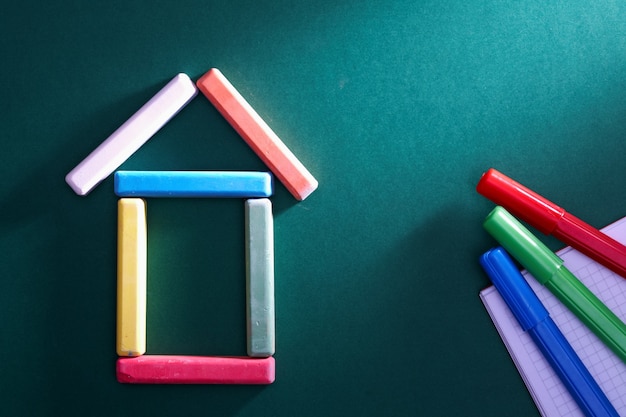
x=547, y=390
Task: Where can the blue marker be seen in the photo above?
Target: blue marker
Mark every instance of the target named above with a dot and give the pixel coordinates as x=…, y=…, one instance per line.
x=534, y=319
x=216, y=184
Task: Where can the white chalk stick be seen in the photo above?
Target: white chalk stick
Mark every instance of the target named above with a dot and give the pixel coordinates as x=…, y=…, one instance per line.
x=129, y=137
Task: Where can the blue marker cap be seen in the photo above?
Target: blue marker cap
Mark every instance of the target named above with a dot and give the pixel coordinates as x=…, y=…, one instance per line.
x=514, y=289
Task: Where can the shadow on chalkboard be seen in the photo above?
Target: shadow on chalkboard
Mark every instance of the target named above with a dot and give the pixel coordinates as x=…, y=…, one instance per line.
x=58, y=253
x=42, y=188
x=433, y=264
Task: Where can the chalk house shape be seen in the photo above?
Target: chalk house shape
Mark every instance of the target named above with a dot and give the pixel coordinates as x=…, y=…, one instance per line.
x=133, y=366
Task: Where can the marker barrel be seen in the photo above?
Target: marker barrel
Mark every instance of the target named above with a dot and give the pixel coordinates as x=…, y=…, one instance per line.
x=549, y=218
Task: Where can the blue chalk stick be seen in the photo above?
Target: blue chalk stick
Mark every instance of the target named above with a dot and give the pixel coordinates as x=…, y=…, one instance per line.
x=216, y=184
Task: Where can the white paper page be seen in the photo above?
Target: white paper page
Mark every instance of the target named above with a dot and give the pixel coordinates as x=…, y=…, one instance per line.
x=548, y=392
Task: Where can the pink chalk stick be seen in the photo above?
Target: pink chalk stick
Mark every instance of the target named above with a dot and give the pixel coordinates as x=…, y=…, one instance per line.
x=259, y=136
x=173, y=369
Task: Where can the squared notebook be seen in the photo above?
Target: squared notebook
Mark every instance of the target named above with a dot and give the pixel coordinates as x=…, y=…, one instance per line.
x=545, y=387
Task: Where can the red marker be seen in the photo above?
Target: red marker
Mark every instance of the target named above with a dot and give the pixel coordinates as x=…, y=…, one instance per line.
x=551, y=219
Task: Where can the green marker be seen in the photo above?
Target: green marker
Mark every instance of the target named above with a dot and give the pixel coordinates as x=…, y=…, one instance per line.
x=548, y=269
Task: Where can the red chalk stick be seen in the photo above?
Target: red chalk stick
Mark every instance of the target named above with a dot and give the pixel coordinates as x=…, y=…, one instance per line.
x=172, y=369
x=259, y=136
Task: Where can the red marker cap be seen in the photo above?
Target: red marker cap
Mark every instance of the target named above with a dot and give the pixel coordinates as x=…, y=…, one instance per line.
x=520, y=201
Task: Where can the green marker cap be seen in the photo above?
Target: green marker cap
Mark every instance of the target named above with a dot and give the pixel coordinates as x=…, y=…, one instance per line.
x=540, y=261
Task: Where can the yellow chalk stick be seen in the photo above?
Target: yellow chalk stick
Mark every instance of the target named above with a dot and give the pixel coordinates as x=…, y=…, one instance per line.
x=132, y=251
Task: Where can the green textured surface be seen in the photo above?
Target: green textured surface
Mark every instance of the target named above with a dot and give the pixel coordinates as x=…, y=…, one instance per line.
x=396, y=107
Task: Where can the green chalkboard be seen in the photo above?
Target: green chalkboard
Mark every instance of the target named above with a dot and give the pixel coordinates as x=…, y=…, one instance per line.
x=396, y=107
